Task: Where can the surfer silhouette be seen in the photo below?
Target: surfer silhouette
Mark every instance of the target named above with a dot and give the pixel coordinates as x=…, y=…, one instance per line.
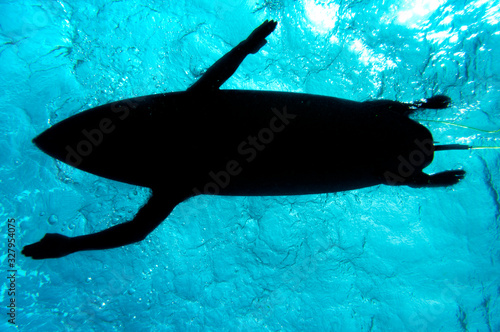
x=237, y=142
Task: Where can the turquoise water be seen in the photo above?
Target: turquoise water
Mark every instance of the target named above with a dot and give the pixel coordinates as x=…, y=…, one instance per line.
x=377, y=259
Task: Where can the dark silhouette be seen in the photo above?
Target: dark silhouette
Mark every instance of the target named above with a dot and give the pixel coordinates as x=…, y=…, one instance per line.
x=234, y=142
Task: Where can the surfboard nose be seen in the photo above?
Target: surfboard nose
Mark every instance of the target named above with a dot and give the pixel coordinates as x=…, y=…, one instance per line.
x=86, y=140
x=51, y=142
x=41, y=142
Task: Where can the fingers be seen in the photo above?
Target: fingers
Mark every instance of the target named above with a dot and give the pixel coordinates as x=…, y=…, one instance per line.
x=257, y=38
x=33, y=250
x=30, y=251
x=263, y=30
x=266, y=28
x=27, y=250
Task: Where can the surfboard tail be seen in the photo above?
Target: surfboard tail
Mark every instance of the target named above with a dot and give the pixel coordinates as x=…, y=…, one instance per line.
x=452, y=147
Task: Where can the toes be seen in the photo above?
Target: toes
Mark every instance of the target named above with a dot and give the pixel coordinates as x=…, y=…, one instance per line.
x=448, y=178
x=458, y=174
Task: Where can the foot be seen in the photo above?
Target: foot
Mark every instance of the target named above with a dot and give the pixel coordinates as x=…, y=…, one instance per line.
x=436, y=102
x=257, y=38
x=442, y=179
x=447, y=178
x=50, y=246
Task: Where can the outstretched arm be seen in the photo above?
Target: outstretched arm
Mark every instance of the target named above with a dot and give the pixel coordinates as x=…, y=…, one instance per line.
x=147, y=219
x=220, y=71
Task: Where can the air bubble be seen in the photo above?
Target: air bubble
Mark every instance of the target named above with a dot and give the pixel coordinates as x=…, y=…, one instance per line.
x=53, y=219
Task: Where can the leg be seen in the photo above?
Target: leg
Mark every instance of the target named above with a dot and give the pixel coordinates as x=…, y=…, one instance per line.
x=220, y=71
x=442, y=179
x=147, y=219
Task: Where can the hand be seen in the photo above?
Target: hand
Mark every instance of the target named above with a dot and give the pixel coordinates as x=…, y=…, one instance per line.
x=50, y=246
x=257, y=38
